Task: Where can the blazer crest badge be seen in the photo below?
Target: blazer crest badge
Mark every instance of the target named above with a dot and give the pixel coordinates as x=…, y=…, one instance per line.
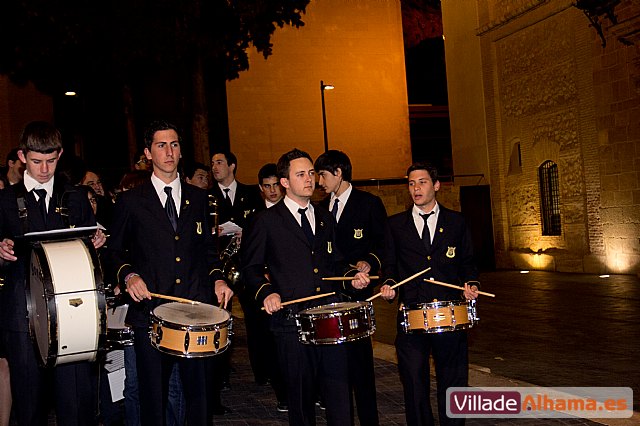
x=358, y=234
x=451, y=252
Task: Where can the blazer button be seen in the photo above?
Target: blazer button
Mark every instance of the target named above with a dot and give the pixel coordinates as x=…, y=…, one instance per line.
x=428, y=257
x=177, y=237
x=315, y=270
x=317, y=289
x=178, y=259
x=178, y=281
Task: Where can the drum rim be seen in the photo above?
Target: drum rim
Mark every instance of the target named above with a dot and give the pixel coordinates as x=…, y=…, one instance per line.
x=361, y=306
x=340, y=340
x=181, y=354
x=195, y=328
x=438, y=304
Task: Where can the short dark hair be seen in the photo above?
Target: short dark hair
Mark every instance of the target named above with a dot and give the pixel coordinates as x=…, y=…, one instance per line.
x=190, y=168
x=333, y=160
x=285, y=161
x=40, y=136
x=157, y=126
x=230, y=157
x=431, y=169
x=267, y=171
x=12, y=156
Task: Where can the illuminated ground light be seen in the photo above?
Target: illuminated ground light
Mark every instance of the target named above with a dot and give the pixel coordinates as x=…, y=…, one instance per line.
x=70, y=93
x=604, y=276
x=524, y=272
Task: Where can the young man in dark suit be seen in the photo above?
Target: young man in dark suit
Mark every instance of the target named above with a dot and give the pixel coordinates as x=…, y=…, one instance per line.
x=236, y=201
x=360, y=236
x=429, y=235
x=41, y=195
x=297, y=244
x=158, y=248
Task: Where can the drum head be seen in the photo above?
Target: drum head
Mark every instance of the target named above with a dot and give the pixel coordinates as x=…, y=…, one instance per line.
x=39, y=320
x=334, y=307
x=192, y=315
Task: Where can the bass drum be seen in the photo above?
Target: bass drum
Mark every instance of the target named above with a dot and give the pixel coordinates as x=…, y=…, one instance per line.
x=65, y=301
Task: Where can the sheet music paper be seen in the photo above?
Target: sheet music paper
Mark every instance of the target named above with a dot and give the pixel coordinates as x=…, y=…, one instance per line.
x=114, y=364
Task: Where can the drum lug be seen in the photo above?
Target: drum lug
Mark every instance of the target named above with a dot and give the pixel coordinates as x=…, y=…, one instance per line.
x=216, y=340
x=186, y=342
x=158, y=334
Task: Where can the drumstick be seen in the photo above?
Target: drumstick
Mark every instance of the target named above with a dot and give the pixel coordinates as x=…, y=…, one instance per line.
x=175, y=299
x=400, y=283
x=458, y=287
x=372, y=277
x=304, y=299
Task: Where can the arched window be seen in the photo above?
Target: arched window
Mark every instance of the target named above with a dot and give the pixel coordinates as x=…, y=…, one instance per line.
x=549, y=198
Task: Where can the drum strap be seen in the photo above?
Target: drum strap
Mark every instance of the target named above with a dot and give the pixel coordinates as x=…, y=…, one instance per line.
x=61, y=208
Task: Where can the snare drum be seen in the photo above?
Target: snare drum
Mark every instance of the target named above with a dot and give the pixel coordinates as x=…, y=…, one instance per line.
x=119, y=335
x=439, y=317
x=190, y=331
x=65, y=301
x=336, y=323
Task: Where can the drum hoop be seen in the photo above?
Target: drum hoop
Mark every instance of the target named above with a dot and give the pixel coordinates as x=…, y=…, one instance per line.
x=435, y=305
x=191, y=354
x=361, y=306
x=185, y=327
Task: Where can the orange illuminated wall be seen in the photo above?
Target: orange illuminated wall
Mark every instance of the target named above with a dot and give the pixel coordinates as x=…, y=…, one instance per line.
x=355, y=45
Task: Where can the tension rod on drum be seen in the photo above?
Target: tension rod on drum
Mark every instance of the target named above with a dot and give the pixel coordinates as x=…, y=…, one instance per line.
x=457, y=286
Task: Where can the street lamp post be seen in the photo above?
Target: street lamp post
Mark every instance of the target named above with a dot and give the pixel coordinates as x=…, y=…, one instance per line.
x=324, y=87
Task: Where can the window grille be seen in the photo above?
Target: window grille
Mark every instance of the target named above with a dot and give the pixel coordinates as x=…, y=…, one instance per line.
x=549, y=198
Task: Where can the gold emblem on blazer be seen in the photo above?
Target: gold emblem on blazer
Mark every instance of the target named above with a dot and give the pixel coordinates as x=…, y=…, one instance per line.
x=199, y=228
x=247, y=213
x=451, y=252
x=329, y=248
x=357, y=234
x=441, y=230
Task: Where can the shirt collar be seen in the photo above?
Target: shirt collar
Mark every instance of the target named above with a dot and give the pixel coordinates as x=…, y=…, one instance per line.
x=417, y=212
x=293, y=206
x=344, y=197
x=232, y=186
x=159, y=187
x=31, y=184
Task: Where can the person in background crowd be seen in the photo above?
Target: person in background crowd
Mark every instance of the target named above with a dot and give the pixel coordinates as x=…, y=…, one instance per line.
x=197, y=174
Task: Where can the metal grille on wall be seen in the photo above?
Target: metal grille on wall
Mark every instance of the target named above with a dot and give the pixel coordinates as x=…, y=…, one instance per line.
x=550, y=198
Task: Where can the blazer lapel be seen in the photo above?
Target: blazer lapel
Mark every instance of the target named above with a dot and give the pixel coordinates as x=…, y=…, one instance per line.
x=441, y=227
x=152, y=203
x=291, y=222
x=185, y=205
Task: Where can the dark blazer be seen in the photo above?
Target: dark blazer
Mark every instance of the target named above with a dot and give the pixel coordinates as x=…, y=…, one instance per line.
x=13, y=308
x=296, y=268
x=246, y=202
x=450, y=258
x=360, y=230
x=181, y=263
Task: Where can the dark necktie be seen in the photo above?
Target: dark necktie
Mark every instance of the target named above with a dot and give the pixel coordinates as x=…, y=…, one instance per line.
x=306, y=226
x=42, y=203
x=334, y=209
x=170, y=208
x=426, y=235
x=227, y=197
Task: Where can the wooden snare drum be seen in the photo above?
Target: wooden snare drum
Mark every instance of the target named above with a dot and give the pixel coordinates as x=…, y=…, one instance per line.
x=439, y=317
x=190, y=331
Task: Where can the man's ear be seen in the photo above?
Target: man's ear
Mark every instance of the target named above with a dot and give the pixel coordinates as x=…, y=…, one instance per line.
x=338, y=172
x=436, y=186
x=22, y=156
x=284, y=182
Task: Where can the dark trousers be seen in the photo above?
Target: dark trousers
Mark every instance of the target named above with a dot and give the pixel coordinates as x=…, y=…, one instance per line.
x=305, y=366
x=75, y=386
x=449, y=352
x=154, y=372
x=262, y=346
x=363, y=381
